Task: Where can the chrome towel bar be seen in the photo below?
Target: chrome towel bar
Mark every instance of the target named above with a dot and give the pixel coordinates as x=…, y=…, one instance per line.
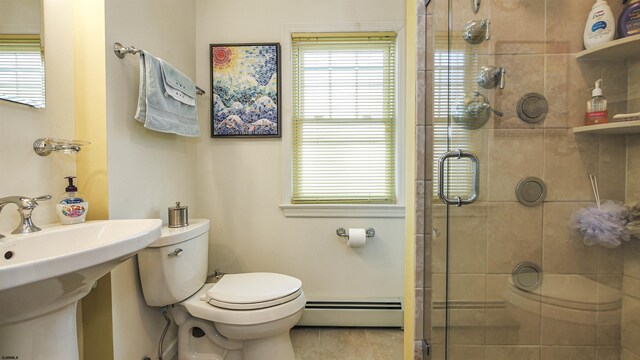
x=121, y=50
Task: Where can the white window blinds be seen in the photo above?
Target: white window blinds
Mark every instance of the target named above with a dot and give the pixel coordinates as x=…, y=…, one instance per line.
x=22, y=70
x=344, y=118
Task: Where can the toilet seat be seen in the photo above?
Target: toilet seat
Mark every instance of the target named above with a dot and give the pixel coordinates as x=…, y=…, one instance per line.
x=252, y=291
x=206, y=311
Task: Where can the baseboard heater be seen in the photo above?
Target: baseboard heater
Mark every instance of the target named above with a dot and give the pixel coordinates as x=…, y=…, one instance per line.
x=379, y=313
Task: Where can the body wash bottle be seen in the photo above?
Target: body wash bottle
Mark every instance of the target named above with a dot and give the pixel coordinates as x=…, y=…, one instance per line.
x=601, y=26
x=72, y=206
x=597, y=107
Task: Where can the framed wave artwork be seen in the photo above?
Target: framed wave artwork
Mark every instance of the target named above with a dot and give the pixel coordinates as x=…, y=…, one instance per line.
x=245, y=90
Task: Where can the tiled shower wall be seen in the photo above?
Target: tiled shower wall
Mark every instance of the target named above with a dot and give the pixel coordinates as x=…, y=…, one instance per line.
x=631, y=279
x=536, y=42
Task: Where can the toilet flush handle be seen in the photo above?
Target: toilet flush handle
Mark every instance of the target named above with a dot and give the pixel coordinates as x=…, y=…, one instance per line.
x=176, y=252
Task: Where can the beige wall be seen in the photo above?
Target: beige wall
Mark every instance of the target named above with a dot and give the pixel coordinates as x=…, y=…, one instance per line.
x=489, y=238
x=148, y=171
x=24, y=172
x=240, y=181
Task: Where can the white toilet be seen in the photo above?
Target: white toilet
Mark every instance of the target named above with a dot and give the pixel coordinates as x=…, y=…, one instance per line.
x=241, y=316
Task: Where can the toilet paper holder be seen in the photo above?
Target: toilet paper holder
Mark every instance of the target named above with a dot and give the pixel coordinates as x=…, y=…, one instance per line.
x=370, y=232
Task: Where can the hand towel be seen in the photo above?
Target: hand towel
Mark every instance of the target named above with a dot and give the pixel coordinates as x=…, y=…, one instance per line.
x=166, y=99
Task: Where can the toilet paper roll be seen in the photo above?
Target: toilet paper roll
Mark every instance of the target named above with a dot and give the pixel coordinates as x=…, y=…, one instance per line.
x=357, y=237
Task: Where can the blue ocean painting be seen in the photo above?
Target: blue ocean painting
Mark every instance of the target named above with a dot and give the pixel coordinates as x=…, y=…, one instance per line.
x=245, y=90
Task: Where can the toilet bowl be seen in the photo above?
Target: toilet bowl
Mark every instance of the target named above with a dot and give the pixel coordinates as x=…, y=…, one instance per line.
x=240, y=316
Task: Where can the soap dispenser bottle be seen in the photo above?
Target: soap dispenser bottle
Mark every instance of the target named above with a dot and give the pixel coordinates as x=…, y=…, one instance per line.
x=601, y=25
x=597, y=107
x=72, y=206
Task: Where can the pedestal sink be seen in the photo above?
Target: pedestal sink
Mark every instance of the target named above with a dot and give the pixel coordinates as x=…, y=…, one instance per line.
x=44, y=274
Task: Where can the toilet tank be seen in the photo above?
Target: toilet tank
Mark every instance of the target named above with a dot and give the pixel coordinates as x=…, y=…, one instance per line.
x=174, y=267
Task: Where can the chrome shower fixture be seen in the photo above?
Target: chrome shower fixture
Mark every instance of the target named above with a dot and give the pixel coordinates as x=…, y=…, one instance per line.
x=475, y=4
x=491, y=76
x=477, y=31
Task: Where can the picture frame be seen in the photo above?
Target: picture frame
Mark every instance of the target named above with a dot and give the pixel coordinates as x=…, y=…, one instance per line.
x=245, y=90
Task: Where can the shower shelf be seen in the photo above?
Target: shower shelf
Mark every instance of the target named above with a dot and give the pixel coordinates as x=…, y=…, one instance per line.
x=625, y=48
x=623, y=127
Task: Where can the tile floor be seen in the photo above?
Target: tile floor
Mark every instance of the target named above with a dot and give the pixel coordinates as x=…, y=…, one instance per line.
x=313, y=343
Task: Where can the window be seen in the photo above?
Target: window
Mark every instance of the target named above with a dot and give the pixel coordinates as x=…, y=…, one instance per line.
x=22, y=70
x=344, y=118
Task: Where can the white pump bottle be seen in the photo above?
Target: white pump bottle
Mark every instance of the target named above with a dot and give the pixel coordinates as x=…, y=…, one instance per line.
x=601, y=25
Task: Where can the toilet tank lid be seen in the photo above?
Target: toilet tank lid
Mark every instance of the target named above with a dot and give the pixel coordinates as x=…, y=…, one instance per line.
x=172, y=236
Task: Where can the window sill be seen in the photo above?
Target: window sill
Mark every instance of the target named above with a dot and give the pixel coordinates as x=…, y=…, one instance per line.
x=342, y=211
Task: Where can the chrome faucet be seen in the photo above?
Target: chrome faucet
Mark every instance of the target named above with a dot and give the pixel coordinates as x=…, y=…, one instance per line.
x=25, y=207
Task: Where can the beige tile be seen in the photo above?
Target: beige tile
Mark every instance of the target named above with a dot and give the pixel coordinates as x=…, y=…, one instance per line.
x=513, y=155
x=509, y=325
x=386, y=344
x=507, y=16
x=427, y=272
x=567, y=352
x=420, y=204
x=467, y=313
x=344, y=344
x=631, y=324
x=418, y=354
x=568, y=161
x=430, y=39
x=421, y=43
x=418, y=314
x=515, y=236
x=305, y=342
x=609, y=322
x=466, y=353
x=607, y=353
x=610, y=261
x=568, y=85
x=428, y=168
x=628, y=355
x=614, y=85
x=565, y=25
x=468, y=239
x=612, y=167
x=525, y=74
x=428, y=210
x=633, y=168
x=633, y=91
x=631, y=287
x=513, y=352
x=419, y=262
x=426, y=320
x=421, y=97
x=421, y=158
x=428, y=104
x=439, y=240
x=632, y=258
x=563, y=249
x=559, y=328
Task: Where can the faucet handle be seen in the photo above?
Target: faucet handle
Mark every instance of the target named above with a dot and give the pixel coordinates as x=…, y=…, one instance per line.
x=42, y=198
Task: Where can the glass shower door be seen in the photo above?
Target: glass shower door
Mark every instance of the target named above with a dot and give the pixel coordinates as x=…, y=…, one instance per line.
x=511, y=278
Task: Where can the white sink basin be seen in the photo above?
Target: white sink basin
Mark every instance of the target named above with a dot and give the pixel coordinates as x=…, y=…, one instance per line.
x=44, y=274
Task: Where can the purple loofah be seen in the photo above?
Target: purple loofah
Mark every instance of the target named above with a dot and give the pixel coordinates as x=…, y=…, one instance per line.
x=602, y=226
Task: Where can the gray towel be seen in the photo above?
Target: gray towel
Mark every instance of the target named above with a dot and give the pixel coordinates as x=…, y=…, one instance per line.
x=166, y=100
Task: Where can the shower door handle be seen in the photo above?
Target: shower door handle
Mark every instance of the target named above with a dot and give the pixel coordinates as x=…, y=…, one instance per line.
x=458, y=154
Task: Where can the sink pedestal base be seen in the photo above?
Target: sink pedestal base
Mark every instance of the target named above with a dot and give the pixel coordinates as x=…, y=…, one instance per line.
x=51, y=336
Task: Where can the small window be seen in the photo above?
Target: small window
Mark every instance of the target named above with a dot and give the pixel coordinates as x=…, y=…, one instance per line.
x=344, y=118
x=22, y=70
